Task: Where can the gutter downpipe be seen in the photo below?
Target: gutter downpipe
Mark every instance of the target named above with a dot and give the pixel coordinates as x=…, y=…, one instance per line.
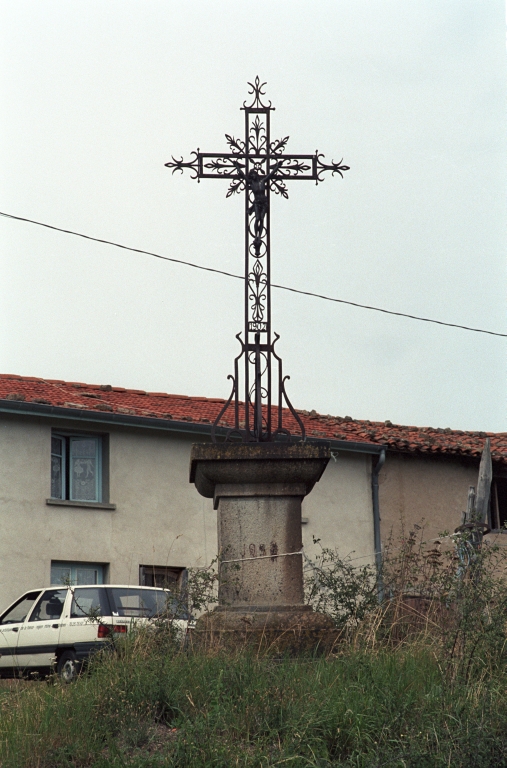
x=376, y=523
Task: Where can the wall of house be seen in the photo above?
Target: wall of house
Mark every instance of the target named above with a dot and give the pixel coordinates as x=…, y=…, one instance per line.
x=425, y=491
x=339, y=509
x=159, y=519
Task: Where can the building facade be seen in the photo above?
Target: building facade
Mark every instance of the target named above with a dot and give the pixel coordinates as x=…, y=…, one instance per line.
x=94, y=487
x=94, y=484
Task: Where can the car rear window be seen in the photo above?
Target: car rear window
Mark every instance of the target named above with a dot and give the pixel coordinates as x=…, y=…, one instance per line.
x=90, y=602
x=145, y=603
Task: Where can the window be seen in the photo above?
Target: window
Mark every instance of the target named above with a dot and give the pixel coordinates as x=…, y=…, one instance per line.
x=76, y=467
x=175, y=580
x=50, y=606
x=144, y=603
x=63, y=572
x=20, y=610
x=162, y=576
x=89, y=602
x=498, y=503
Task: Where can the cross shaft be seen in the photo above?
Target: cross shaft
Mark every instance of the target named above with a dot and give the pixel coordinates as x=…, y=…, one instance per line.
x=257, y=166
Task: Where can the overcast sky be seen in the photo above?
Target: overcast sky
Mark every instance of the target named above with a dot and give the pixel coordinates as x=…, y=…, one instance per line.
x=97, y=96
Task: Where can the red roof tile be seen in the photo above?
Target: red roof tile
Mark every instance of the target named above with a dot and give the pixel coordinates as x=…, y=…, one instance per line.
x=159, y=405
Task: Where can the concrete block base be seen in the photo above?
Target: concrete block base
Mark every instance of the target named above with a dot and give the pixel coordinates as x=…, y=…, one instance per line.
x=257, y=618
x=283, y=630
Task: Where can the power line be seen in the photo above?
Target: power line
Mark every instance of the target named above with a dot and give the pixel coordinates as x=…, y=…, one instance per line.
x=240, y=277
x=118, y=245
x=390, y=311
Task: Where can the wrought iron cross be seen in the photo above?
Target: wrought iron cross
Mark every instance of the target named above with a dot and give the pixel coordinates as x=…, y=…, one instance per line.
x=257, y=166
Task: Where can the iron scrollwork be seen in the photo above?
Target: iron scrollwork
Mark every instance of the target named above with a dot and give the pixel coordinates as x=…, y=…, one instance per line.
x=334, y=167
x=179, y=165
x=258, y=165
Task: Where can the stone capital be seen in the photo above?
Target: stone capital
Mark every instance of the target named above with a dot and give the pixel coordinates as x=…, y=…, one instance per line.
x=257, y=469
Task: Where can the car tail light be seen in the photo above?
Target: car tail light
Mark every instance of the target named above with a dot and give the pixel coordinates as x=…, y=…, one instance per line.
x=104, y=631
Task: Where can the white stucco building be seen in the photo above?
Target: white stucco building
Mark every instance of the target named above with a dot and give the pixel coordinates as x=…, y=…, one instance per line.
x=94, y=484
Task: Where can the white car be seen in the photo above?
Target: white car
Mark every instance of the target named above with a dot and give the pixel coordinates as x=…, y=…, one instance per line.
x=61, y=626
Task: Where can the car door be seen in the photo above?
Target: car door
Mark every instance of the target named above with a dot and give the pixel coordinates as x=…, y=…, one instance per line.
x=85, y=612
x=11, y=622
x=39, y=634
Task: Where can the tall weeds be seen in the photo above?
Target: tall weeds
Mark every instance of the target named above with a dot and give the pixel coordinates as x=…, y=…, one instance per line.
x=417, y=681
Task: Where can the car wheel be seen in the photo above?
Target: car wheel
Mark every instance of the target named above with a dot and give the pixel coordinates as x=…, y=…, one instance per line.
x=67, y=667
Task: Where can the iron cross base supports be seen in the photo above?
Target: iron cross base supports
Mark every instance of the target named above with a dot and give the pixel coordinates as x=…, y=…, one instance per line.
x=257, y=491
x=257, y=166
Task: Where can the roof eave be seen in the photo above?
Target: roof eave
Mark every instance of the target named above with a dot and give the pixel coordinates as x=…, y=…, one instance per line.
x=20, y=407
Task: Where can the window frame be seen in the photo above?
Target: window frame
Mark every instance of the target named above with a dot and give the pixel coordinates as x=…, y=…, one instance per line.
x=74, y=566
x=172, y=576
x=496, y=514
x=52, y=592
x=62, y=456
x=176, y=582
x=68, y=491
x=10, y=608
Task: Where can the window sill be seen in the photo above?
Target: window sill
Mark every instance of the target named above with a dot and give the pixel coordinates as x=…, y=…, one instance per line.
x=83, y=504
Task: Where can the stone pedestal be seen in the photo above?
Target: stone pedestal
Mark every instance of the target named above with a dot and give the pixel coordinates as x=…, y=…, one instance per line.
x=257, y=491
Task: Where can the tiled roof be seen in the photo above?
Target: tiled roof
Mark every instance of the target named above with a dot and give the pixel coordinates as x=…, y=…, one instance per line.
x=181, y=408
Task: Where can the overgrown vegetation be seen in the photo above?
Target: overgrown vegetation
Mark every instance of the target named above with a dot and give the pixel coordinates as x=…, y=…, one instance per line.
x=417, y=681
x=340, y=588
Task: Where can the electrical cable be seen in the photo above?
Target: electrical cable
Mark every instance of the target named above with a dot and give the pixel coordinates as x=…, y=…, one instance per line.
x=240, y=277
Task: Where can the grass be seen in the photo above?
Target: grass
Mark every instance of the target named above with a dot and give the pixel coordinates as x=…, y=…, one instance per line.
x=419, y=681
x=151, y=706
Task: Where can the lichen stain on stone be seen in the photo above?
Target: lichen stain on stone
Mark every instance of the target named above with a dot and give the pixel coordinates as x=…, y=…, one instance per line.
x=252, y=451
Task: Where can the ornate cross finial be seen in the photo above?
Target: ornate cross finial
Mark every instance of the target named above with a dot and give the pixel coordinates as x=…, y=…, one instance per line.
x=257, y=166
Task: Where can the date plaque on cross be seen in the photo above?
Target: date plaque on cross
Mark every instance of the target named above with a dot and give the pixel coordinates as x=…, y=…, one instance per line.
x=257, y=166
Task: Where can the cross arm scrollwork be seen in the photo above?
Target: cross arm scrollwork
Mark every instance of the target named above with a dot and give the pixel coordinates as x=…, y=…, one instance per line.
x=296, y=166
x=179, y=165
x=305, y=167
x=221, y=166
x=207, y=165
x=323, y=167
x=257, y=91
x=237, y=146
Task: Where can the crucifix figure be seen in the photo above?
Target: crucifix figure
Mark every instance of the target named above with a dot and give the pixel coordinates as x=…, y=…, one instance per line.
x=257, y=166
x=257, y=185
